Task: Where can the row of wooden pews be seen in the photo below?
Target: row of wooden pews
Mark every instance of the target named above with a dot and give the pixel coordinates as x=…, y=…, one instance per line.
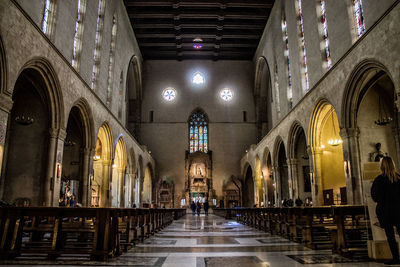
x=98, y=233
x=344, y=229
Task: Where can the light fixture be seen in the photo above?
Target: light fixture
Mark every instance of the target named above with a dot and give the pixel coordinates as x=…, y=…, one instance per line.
x=383, y=118
x=96, y=157
x=114, y=165
x=24, y=120
x=69, y=142
x=336, y=140
x=197, y=40
x=197, y=46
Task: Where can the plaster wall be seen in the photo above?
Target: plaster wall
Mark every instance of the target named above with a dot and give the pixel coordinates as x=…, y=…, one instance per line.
x=167, y=135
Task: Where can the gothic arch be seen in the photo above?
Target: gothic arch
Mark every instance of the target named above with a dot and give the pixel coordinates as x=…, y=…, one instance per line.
x=133, y=96
x=87, y=118
x=363, y=76
x=294, y=133
x=263, y=97
x=52, y=89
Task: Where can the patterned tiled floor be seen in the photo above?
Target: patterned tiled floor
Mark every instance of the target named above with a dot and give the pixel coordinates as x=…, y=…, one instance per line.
x=211, y=241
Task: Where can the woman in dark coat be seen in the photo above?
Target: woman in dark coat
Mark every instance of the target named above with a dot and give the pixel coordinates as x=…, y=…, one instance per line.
x=385, y=191
x=193, y=207
x=198, y=208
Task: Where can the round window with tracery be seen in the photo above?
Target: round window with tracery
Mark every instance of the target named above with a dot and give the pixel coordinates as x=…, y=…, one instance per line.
x=169, y=94
x=226, y=94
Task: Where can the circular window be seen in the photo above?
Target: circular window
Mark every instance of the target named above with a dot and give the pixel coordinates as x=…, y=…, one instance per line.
x=169, y=94
x=226, y=94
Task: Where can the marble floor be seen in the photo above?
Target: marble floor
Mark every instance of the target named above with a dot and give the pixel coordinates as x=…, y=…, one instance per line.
x=211, y=241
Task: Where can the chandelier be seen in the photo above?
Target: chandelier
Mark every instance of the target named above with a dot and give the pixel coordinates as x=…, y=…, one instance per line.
x=384, y=117
x=335, y=140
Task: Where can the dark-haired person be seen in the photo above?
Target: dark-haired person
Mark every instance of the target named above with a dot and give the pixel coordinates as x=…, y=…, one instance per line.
x=385, y=191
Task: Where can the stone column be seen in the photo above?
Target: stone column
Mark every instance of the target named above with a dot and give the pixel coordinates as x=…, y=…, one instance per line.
x=396, y=135
x=278, y=197
x=85, y=176
x=293, y=178
x=353, y=172
x=316, y=179
x=105, y=184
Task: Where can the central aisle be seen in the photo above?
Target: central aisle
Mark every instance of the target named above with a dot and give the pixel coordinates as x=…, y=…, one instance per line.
x=208, y=241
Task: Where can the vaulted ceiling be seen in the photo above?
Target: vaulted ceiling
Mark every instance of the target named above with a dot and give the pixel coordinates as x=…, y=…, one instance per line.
x=226, y=29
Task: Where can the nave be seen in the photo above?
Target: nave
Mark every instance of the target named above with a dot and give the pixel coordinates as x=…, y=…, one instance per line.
x=211, y=241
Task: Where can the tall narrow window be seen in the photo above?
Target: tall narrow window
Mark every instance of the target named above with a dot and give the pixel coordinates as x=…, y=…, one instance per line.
x=302, y=41
x=97, y=43
x=287, y=57
x=359, y=17
x=198, y=132
x=121, y=94
x=323, y=28
x=48, y=17
x=276, y=85
x=111, y=62
x=77, y=48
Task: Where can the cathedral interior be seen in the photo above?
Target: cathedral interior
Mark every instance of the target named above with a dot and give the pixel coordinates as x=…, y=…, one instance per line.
x=274, y=112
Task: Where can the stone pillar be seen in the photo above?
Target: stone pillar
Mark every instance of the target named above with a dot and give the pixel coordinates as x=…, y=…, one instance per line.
x=293, y=178
x=85, y=175
x=396, y=135
x=353, y=172
x=316, y=179
x=278, y=197
x=105, y=184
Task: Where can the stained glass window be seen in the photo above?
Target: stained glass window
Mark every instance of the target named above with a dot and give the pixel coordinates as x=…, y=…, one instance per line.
x=48, y=17
x=277, y=99
x=198, y=78
x=111, y=61
x=359, y=17
x=198, y=132
x=325, y=34
x=169, y=94
x=77, y=47
x=306, y=85
x=286, y=41
x=97, y=43
x=226, y=94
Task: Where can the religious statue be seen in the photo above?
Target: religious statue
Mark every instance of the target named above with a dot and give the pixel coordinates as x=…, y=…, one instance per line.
x=377, y=155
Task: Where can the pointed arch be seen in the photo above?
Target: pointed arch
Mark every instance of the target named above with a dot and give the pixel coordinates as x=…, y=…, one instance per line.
x=364, y=75
x=87, y=118
x=296, y=130
x=52, y=89
x=133, y=96
x=263, y=97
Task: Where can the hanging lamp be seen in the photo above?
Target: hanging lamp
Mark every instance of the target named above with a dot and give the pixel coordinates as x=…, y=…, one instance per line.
x=336, y=140
x=383, y=118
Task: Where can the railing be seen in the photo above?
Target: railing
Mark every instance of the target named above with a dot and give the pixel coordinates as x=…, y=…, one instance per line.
x=100, y=233
x=344, y=229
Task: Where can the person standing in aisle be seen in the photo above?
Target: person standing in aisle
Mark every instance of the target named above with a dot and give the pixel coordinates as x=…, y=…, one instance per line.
x=385, y=191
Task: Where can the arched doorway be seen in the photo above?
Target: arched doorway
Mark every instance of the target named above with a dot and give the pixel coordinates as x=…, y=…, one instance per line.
x=263, y=98
x=147, y=187
x=133, y=97
x=102, y=167
x=248, y=189
x=299, y=161
x=283, y=173
x=329, y=182
x=139, y=182
x=370, y=121
x=27, y=141
x=74, y=179
x=118, y=174
x=259, y=180
x=269, y=183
